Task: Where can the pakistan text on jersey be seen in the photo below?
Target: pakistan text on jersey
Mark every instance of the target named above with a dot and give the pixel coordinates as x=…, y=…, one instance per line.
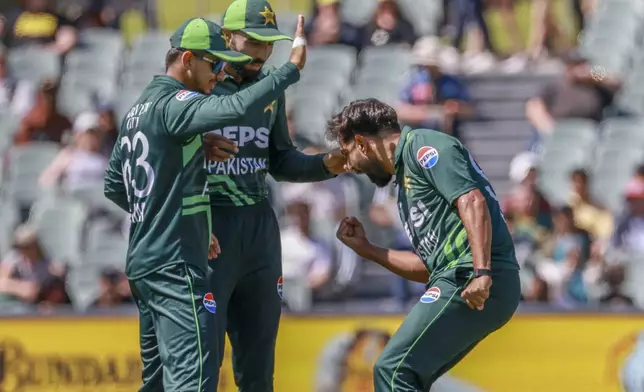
x=237, y=166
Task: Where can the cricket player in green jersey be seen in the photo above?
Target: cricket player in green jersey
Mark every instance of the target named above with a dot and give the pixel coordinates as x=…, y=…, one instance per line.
x=246, y=279
x=462, y=244
x=156, y=173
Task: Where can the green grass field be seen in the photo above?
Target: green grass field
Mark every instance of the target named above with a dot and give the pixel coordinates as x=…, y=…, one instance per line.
x=173, y=12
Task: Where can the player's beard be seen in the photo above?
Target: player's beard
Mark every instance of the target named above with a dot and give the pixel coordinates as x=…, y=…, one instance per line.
x=377, y=175
x=249, y=75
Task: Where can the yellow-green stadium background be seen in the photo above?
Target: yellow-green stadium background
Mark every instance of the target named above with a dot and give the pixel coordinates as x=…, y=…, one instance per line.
x=534, y=353
x=171, y=13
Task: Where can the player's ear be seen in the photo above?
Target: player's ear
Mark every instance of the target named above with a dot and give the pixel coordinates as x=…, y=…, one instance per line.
x=186, y=59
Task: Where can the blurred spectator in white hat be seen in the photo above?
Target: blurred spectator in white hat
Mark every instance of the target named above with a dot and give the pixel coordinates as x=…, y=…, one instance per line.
x=80, y=165
x=432, y=98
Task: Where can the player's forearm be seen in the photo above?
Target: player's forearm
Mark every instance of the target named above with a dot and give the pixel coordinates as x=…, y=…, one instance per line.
x=293, y=165
x=402, y=263
x=473, y=210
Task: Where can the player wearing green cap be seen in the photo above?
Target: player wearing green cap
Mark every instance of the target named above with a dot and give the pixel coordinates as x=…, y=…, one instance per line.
x=156, y=173
x=246, y=278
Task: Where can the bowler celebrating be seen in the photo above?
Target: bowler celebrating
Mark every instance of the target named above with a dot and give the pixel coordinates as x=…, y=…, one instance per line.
x=462, y=244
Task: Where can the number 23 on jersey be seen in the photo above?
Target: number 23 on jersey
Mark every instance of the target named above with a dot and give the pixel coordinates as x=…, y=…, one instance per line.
x=137, y=192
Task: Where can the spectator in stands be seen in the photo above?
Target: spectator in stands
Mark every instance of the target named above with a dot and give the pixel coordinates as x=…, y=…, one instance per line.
x=589, y=216
x=43, y=122
x=629, y=233
x=523, y=174
x=16, y=96
x=577, y=95
x=80, y=165
x=567, y=252
x=430, y=98
x=26, y=273
x=102, y=14
x=34, y=23
x=325, y=27
x=114, y=289
x=480, y=56
x=614, y=277
x=306, y=261
x=544, y=29
x=107, y=127
x=388, y=26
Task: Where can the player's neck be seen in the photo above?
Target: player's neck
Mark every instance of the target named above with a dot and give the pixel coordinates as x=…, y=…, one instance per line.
x=391, y=142
x=181, y=77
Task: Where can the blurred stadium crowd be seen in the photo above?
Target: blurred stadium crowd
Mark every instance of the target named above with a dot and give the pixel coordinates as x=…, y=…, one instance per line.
x=555, y=126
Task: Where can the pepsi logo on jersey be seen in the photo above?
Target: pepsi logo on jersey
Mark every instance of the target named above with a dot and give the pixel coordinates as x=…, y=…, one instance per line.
x=209, y=303
x=427, y=156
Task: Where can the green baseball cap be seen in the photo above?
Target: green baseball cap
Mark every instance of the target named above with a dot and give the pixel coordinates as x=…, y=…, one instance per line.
x=255, y=18
x=204, y=35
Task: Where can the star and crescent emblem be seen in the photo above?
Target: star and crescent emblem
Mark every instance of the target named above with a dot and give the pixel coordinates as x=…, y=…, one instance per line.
x=269, y=16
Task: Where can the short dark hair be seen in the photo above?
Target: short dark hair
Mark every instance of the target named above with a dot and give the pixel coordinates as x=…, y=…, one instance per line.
x=172, y=56
x=368, y=117
x=582, y=173
x=640, y=170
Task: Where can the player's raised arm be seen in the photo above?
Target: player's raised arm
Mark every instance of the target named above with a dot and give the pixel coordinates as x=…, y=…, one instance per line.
x=403, y=263
x=194, y=113
x=114, y=187
x=201, y=113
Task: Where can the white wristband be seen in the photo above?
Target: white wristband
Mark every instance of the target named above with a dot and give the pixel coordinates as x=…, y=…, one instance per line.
x=299, y=41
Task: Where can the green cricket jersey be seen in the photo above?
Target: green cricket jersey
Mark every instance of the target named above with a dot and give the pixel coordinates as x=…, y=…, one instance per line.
x=156, y=169
x=264, y=147
x=433, y=170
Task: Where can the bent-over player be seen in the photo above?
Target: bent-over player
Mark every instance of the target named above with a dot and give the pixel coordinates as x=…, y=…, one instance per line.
x=462, y=244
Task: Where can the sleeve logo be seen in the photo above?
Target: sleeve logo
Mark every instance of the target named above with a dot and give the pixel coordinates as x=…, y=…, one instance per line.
x=184, y=95
x=427, y=156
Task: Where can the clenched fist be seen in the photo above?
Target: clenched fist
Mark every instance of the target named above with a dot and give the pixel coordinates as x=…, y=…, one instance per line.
x=352, y=234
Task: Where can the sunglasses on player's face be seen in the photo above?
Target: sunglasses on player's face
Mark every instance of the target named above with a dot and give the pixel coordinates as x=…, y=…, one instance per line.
x=217, y=65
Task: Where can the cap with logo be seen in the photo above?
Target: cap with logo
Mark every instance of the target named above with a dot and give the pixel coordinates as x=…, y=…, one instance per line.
x=255, y=18
x=204, y=35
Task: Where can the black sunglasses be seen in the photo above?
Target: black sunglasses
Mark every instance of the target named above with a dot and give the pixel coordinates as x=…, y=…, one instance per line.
x=217, y=65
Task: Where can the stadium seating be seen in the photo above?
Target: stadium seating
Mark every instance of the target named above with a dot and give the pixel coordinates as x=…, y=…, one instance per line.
x=59, y=223
x=24, y=166
x=34, y=65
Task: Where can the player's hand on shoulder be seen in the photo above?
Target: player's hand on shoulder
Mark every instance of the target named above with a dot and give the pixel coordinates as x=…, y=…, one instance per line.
x=218, y=148
x=477, y=292
x=298, y=54
x=214, y=250
x=335, y=162
x=352, y=234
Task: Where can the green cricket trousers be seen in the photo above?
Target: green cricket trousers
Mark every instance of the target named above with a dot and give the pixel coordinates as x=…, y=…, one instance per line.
x=177, y=330
x=441, y=329
x=247, y=285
